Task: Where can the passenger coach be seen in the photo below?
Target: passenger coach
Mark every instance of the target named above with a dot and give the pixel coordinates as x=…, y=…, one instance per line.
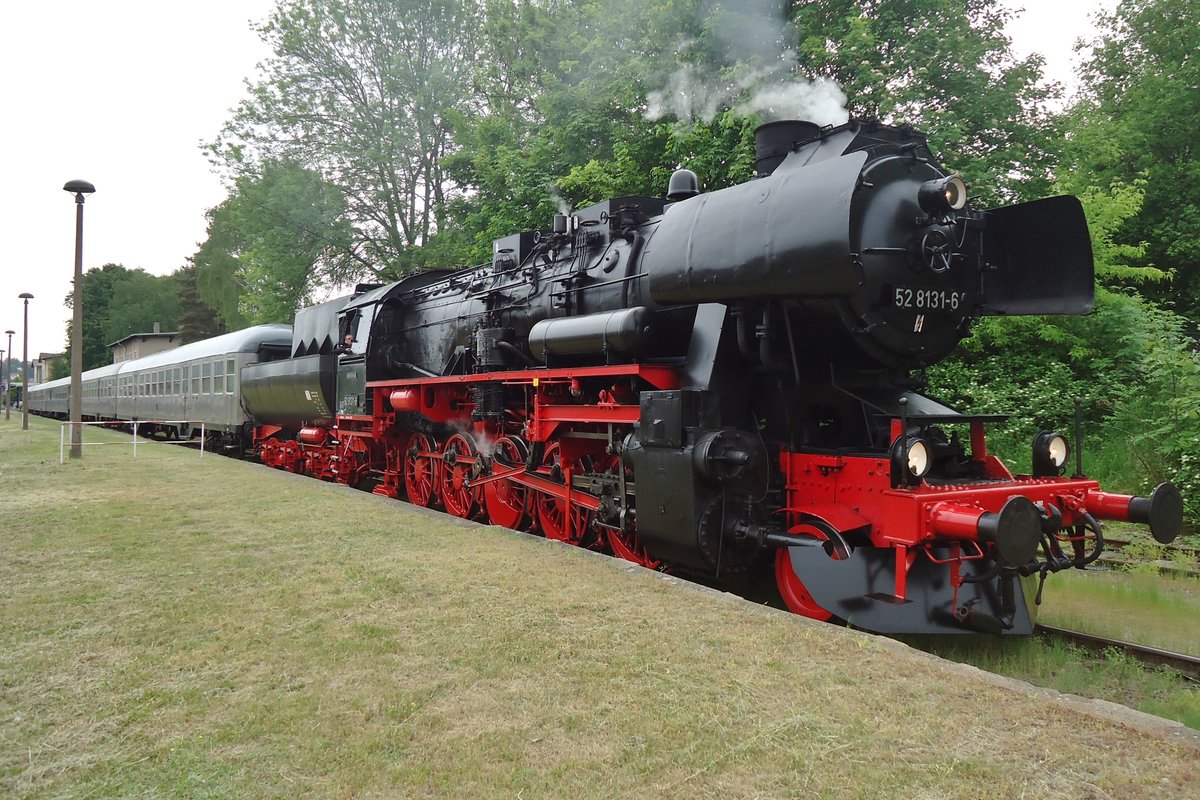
x=175, y=390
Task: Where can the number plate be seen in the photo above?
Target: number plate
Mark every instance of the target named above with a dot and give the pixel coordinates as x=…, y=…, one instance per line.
x=929, y=299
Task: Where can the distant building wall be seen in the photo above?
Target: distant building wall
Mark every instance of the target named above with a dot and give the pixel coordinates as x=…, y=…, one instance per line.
x=137, y=345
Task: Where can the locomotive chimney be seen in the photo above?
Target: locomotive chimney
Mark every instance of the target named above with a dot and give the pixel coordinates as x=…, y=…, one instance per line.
x=774, y=140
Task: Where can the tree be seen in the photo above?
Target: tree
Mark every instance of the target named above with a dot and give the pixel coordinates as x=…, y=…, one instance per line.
x=1137, y=125
x=117, y=302
x=362, y=91
x=946, y=67
x=279, y=234
x=58, y=367
x=98, y=287
x=139, y=302
x=610, y=97
x=197, y=319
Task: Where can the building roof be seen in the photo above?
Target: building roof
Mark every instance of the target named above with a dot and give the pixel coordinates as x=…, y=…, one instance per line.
x=160, y=335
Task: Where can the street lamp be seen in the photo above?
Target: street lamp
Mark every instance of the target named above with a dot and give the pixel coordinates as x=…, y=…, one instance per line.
x=26, y=296
x=7, y=380
x=80, y=189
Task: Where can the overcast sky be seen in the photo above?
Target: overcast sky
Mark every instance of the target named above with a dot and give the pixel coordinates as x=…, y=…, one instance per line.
x=122, y=92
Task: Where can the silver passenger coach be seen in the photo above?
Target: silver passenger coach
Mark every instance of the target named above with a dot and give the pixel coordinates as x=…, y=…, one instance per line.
x=197, y=382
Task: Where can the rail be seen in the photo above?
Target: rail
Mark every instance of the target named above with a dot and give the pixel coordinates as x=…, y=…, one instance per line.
x=62, y=433
x=1186, y=665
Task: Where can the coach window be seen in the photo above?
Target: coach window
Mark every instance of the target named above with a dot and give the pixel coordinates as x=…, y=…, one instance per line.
x=175, y=382
x=195, y=369
x=230, y=375
x=218, y=378
x=206, y=385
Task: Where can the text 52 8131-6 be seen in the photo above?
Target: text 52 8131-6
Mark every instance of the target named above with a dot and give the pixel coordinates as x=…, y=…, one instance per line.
x=928, y=299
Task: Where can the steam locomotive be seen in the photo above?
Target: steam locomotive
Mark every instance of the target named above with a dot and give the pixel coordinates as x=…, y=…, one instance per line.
x=726, y=385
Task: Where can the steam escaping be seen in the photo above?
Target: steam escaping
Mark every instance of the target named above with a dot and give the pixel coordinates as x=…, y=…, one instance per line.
x=747, y=66
x=821, y=101
x=556, y=197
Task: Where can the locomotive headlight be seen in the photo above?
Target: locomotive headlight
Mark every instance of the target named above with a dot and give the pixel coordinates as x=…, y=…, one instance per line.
x=918, y=458
x=912, y=459
x=943, y=194
x=1050, y=453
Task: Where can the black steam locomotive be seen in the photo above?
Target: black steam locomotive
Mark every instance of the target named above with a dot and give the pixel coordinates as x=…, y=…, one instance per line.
x=726, y=384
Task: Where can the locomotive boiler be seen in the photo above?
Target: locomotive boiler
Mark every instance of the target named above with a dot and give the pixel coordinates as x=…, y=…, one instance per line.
x=727, y=385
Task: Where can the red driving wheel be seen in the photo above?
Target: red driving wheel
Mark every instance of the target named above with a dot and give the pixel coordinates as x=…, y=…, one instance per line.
x=421, y=466
x=552, y=511
x=460, y=463
x=507, y=501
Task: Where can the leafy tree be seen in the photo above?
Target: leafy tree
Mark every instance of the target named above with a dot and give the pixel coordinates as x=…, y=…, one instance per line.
x=140, y=301
x=1137, y=127
x=946, y=67
x=117, y=302
x=276, y=237
x=98, y=288
x=363, y=92
x=197, y=319
x=58, y=368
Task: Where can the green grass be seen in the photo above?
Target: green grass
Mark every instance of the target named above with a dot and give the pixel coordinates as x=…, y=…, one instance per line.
x=177, y=627
x=1113, y=675
x=1140, y=606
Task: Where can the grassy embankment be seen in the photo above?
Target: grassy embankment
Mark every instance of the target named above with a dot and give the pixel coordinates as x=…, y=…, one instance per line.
x=177, y=627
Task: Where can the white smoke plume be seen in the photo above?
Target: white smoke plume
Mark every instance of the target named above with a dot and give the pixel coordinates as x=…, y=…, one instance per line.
x=752, y=38
x=556, y=197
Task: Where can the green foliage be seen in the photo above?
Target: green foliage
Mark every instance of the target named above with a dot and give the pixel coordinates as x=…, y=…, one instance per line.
x=362, y=92
x=279, y=235
x=197, y=319
x=1138, y=123
x=139, y=302
x=118, y=302
x=58, y=367
x=946, y=67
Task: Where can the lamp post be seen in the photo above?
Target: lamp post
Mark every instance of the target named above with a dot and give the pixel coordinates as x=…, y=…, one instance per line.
x=4, y=380
x=80, y=189
x=26, y=296
x=7, y=379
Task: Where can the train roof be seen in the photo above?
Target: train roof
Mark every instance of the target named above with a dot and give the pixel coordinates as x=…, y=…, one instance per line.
x=417, y=280
x=243, y=341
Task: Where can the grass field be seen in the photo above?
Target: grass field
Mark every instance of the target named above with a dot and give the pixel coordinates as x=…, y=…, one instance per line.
x=1142, y=606
x=178, y=627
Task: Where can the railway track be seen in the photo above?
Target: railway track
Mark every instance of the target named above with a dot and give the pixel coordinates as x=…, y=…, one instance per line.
x=1186, y=665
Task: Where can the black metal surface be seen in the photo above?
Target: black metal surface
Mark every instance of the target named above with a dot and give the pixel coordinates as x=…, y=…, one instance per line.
x=1043, y=259
x=625, y=331
x=670, y=503
x=316, y=328
x=774, y=141
x=291, y=391
x=1162, y=511
x=352, y=395
x=1016, y=532
x=783, y=236
x=859, y=590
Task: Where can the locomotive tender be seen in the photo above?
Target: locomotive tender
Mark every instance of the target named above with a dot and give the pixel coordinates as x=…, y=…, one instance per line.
x=726, y=385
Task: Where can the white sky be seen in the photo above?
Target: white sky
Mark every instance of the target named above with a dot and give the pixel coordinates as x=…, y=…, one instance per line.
x=121, y=93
